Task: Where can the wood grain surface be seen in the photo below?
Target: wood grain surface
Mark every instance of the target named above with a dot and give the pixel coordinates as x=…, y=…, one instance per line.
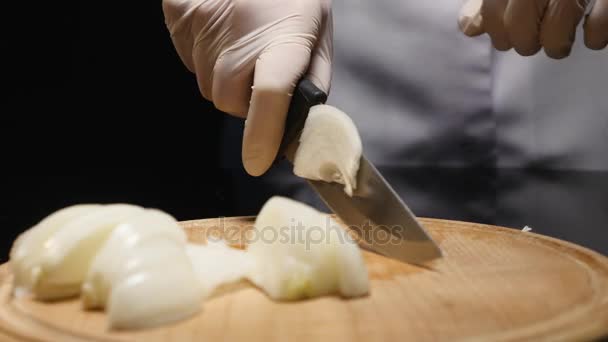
x=494, y=284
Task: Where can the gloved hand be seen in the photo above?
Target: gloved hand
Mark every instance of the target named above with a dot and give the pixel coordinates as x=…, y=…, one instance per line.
x=248, y=56
x=528, y=25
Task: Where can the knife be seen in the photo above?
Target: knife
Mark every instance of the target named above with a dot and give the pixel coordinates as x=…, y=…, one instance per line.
x=381, y=220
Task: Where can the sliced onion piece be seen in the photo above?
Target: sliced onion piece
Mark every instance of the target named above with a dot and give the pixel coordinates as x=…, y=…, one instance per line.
x=301, y=253
x=330, y=148
x=158, y=286
x=116, y=257
x=26, y=252
x=217, y=264
x=67, y=254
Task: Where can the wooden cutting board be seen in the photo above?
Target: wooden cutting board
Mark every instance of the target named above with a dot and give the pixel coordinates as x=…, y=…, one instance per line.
x=493, y=284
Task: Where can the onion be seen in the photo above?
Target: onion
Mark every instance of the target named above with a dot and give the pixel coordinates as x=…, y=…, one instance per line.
x=160, y=289
x=66, y=254
x=217, y=264
x=136, y=263
x=118, y=258
x=302, y=253
x=330, y=148
x=26, y=252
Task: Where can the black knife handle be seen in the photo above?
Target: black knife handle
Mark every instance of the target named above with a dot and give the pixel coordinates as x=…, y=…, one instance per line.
x=304, y=96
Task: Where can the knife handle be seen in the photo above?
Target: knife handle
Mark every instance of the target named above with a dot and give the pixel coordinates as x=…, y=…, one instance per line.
x=305, y=95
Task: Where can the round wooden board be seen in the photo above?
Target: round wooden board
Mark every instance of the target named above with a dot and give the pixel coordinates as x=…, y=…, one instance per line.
x=492, y=284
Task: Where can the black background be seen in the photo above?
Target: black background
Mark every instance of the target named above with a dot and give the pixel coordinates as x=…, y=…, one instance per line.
x=98, y=108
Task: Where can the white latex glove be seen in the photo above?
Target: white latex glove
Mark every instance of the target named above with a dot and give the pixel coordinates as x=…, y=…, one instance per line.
x=248, y=56
x=528, y=25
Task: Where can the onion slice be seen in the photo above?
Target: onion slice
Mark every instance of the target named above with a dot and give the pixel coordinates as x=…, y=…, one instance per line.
x=27, y=250
x=302, y=253
x=330, y=148
x=117, y=258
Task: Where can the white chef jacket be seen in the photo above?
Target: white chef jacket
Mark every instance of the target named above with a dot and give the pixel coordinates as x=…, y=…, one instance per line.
x=423, y=94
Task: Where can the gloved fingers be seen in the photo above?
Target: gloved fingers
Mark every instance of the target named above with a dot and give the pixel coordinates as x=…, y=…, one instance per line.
x=522, y=22
x=319, y=71
x=596, y=26
x=558, y=29
x=231, y=88
x=276, y=74
x=470, y=20
x=493, y=13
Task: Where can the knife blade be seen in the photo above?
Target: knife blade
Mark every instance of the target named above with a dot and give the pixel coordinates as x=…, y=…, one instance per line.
x=381, y=220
